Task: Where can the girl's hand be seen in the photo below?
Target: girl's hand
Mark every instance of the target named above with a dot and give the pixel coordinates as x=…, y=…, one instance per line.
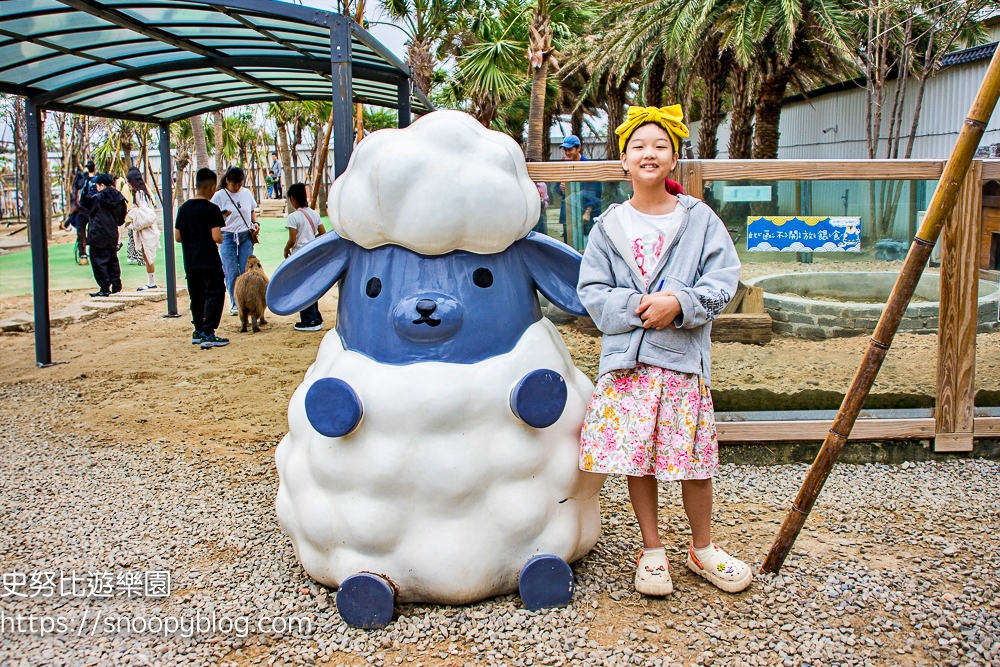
x=658, y=310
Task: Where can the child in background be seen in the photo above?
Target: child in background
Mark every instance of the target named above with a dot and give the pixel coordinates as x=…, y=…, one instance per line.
x=199, y=231
x=657, y=270
x=303, y=226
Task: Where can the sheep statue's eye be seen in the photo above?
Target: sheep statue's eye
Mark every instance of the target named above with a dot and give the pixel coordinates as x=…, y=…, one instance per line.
x=373, y=288
x=482, y=277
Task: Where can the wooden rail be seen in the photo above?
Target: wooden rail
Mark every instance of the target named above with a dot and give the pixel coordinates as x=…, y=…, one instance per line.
x=953, y=427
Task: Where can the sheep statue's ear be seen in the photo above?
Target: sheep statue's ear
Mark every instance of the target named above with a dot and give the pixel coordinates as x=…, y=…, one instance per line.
x=307, y=275
x=555, y=268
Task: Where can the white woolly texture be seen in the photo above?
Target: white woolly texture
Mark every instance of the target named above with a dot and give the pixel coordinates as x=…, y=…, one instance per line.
x=444, y=183
x=441, y=488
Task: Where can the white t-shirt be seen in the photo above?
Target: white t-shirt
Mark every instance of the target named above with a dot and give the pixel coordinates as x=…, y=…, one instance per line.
x=245, y=204
x=299, y=220
x=649, y=235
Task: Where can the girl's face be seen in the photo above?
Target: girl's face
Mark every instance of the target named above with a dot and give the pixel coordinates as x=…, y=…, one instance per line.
x=234, y=187
x=649, y=155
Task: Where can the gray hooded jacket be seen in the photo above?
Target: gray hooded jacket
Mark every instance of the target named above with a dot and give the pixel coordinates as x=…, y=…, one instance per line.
x=700, y=266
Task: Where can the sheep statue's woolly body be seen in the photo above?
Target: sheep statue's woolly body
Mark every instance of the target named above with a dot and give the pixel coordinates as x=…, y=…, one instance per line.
x=433, y=447
x=441, y=488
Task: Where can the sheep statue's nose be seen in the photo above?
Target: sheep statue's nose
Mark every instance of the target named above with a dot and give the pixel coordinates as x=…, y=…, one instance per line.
x=425, y=307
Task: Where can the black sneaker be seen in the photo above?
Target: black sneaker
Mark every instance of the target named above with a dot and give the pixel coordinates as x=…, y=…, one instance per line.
x=100, y=293
x=312, y=326
x=211, y=340
x=196, y=338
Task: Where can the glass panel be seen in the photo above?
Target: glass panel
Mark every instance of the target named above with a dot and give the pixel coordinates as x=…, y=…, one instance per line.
x=182, y=111
x=241, y=43
x=43, y=68
x=214, y=30
x=159, y=58
x=825, y=255
x=299, y=38
x=230, y=86
x=93, y=37
x=279, y=51
x=122, y=51
x=139, y=104
x=50, y=23
x=96, y=90
x=21, y=51
x=118, y=95
x=288, y=25
x=164, y=17
x=180, y=79
x=573, y=206
x=77, y=75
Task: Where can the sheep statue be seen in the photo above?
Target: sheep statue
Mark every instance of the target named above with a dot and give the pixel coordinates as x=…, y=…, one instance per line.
x=433, y=445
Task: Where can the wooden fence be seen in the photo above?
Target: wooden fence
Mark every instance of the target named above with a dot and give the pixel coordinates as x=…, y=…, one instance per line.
x=954, y=425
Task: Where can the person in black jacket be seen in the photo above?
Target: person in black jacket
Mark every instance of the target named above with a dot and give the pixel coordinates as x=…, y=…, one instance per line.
x=107, y=213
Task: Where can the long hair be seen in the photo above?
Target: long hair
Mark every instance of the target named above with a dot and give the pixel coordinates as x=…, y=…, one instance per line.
x=137, y=183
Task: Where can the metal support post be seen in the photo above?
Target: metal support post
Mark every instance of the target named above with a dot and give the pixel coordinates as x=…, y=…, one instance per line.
x=403, y=102
x=37, y=159
x=340, y=73
x=167, y=193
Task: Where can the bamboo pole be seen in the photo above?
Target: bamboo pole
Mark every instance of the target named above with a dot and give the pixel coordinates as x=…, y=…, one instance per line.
x=941, y=205
x=320, y=166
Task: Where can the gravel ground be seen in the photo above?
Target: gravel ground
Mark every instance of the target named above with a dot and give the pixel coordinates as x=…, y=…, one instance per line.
x=886, y=572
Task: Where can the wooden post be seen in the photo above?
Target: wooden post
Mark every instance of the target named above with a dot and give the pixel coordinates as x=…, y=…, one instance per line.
x=945, y=196
x=691, y=179
x=957, y=318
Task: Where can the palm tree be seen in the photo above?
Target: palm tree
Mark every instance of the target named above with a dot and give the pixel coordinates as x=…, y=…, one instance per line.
x=489, y=54
x=200, y=147
x=426, y=23
x=219, y=139
x=551, y=19
x=183, y=140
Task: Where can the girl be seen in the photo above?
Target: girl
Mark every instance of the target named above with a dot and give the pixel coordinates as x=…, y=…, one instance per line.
x=303, y=226
x=657, y=270
x=239, y=235
x=143, y=230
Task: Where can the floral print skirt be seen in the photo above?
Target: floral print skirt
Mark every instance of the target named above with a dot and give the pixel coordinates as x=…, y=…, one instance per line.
x=649, y=420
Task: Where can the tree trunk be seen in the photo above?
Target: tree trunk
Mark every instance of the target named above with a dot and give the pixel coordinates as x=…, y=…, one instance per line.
x=21, y=154
x=200, y=145
x=220, y=144
x=319, y=171
x=741, y=87
x=653, y=90
x=418, y=52
x=66, y=169
x=714, y=69
x=539, y=50
x=772, y=92
x=181, y=161
x=46, y=180
x=286, y=162
x=615, y=108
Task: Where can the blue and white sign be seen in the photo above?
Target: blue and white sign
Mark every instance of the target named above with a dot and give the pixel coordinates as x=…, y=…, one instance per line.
x=807, y=233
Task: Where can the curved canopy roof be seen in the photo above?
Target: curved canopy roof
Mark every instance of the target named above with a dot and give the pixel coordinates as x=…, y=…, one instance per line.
x=163, y=60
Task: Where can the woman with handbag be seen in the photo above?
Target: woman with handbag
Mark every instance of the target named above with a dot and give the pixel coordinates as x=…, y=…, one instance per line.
x=142, y=225
x=240, y=233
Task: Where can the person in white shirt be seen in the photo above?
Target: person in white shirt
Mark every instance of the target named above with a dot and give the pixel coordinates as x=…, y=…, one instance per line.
x=303, y=226
x=238, y=236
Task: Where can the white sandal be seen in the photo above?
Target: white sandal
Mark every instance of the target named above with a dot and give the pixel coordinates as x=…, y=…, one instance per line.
x=652, y=573
x=724, y=571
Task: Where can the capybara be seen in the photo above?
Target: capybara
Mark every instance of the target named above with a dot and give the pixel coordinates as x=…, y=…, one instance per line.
x=251, y=291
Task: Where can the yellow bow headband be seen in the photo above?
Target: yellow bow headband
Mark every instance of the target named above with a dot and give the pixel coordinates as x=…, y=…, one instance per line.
x=669, y=118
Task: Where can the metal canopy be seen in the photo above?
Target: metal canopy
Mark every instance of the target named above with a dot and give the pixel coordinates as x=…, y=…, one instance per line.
x=158, y=61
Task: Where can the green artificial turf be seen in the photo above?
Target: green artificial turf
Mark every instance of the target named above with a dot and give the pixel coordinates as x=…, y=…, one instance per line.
x=65, y=274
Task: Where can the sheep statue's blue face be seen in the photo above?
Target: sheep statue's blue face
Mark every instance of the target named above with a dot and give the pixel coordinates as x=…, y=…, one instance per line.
x=399, y=307
x=432, y=452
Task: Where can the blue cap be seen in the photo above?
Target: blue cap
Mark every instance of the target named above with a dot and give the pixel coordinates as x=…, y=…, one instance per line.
x=572, y=141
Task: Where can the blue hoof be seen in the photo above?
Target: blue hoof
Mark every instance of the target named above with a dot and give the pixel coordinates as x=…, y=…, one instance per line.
x=365, y=601
x=333, y=408
x=538, y=398
x=546, y=581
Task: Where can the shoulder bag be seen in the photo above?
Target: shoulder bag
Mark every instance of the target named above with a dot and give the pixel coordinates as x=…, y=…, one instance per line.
x=253, y=232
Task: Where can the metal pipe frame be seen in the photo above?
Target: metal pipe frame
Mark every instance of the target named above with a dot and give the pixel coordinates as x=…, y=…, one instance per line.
x=167, y=199
x=39, y=240
x=340, y=73
x=403, y=103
